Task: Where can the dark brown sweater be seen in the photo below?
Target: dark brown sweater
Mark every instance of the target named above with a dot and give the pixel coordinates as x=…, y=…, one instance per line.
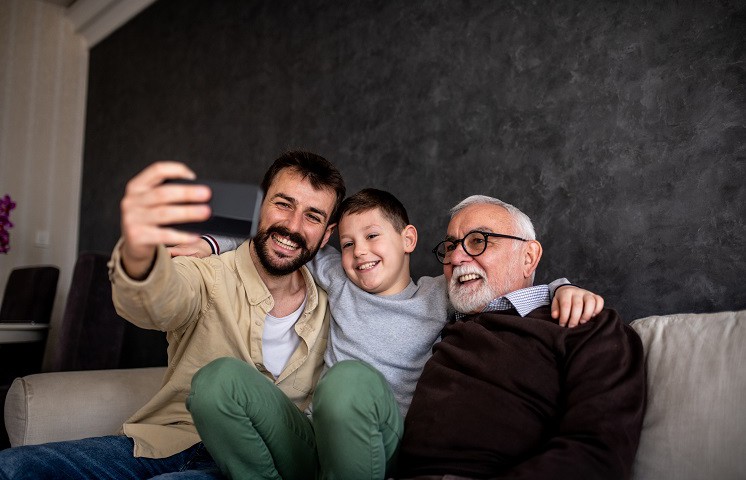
x=511, y=397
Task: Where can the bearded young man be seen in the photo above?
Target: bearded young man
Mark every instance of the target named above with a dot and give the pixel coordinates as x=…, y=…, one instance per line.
x=210, y=308
x=508, y=393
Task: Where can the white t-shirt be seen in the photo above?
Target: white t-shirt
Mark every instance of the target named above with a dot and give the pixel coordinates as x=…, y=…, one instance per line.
x=279, y=340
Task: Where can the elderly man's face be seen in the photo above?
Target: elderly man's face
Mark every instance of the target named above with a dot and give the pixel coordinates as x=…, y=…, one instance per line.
x=474, y=281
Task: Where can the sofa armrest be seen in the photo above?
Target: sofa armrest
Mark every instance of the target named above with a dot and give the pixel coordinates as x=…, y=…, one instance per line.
x=694, y=425
x=50, y=407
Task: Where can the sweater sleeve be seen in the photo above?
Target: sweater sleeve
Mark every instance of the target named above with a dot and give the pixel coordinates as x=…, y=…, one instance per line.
x=326, y=267
x=560, y=282
x=604, y=399
x=221, y=243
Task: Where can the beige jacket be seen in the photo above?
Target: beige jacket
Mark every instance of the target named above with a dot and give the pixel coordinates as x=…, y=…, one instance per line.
x=210, y=308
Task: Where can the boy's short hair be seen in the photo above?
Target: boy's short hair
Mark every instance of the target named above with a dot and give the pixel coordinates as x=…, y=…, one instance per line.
x=319, y=172
x=370, y=198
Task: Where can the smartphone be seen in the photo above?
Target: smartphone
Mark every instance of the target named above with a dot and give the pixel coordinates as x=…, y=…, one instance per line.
x=235, y=208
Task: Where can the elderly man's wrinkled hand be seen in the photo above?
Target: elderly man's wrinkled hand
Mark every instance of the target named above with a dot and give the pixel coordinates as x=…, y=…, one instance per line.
x=573, y=306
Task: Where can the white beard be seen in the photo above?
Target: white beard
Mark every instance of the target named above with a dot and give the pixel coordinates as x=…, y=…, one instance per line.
x=474, y=299
x=469, y=299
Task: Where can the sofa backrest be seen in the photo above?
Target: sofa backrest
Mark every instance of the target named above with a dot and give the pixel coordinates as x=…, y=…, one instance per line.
x=695, y=423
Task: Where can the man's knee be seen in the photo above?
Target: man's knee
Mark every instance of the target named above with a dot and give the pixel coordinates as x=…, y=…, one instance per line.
x=218, y=371
x=214, y=383
x=348, y=386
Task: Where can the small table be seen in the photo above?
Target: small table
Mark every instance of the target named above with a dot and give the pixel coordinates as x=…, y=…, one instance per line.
x=22, y=332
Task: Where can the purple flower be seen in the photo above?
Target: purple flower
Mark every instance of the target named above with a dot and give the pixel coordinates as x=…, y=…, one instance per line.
x=6, y=205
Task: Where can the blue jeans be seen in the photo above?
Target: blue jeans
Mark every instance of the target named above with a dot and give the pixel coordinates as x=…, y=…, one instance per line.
x=103, y=458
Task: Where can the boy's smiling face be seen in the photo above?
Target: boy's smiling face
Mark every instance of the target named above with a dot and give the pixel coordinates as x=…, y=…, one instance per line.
x=374, y=255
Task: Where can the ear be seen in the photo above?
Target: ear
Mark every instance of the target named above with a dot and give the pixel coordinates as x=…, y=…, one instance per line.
x=531, y=256
x=409, y=236
x=327, y=234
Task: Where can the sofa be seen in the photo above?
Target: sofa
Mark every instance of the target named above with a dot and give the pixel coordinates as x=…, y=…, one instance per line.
x=694, y=426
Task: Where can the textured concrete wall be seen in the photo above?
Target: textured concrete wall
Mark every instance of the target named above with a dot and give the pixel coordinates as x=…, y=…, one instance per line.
x=619, y=127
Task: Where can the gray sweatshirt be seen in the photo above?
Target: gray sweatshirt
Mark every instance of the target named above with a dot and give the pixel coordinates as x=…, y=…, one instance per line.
x=393, y=333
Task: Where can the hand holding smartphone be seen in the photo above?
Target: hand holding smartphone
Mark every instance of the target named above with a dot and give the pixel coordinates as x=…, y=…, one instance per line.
x=235, y=208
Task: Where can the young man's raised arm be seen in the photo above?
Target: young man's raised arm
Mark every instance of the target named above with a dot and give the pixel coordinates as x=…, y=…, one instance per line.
x=148, y=205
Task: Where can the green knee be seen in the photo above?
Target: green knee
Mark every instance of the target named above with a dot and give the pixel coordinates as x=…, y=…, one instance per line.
x=354, y=411
x=347, y=388
x=215, y=382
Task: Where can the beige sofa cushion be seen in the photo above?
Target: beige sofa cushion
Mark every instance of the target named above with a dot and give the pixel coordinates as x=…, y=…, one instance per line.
x=695, y=424
x=58, y=406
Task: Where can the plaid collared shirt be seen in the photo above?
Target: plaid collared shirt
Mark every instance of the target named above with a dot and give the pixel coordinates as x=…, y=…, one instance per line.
x=524, y=301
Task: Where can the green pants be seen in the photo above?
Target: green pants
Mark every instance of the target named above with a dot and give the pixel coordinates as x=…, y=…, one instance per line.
x=254, y=431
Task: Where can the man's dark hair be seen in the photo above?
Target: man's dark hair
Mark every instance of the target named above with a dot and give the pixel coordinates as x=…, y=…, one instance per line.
x=370, y=198
x=319, y=172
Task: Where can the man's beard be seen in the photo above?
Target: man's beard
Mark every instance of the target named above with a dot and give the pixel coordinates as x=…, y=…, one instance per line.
x=467, y=300
x=272, y=266
x=474, y=299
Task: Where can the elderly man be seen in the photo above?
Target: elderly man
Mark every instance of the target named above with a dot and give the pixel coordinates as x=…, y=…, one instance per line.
x=508, y=393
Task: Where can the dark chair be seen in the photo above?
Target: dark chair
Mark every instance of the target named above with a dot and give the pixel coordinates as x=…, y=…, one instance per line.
x=91, y=335
x=29, y=294
x=28, y=298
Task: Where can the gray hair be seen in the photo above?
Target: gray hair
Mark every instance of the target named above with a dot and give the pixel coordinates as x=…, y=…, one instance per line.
x=524, y=227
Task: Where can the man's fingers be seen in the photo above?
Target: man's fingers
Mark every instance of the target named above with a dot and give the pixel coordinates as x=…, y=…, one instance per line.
x=177, y=194
x=138, y=223
x=167, y=236
x=169, y=214
x=168, y=194
x=155, y=174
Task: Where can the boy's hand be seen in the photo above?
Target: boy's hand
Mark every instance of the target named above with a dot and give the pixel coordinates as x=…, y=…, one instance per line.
x=573, y=306
x=199, y=248
x=148, y=205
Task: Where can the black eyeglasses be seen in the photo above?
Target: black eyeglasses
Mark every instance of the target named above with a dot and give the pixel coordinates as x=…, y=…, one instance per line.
x=474, y=244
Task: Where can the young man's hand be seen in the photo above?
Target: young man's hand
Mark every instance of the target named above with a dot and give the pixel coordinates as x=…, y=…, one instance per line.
x=148, y=205
x=199, y=248
x=573, y=305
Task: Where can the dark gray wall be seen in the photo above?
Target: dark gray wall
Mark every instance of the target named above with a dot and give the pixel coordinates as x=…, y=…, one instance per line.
x=619, y=127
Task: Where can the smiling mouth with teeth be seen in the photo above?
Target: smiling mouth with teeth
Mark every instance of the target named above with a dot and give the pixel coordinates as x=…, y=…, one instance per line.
x=367, y=266
x=284, y=242
x=468, y=277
